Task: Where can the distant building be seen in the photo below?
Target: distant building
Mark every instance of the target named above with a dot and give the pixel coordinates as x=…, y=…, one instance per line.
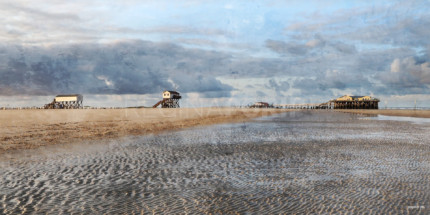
x=261, y=105
x=354, y=98
x=170, y=100
x=354, y=102
x=72, y=101
x=171, y=95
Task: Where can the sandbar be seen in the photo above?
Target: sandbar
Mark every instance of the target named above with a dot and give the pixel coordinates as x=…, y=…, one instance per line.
x=25, y=129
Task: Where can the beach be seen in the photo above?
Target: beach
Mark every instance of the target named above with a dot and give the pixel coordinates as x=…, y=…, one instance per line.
x=25, y=129
x=298, y=162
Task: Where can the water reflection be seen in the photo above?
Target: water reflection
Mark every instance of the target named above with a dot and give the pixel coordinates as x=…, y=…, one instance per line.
x=416, y=120
x=299, y=162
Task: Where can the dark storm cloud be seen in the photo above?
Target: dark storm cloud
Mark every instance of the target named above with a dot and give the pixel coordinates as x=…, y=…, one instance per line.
x=376, y=61
x=133, y=67
x=316, y=46
x=403, y=23
x=284, y=48
x=406, y=32
x=139, y=67
x=260, y=93
x=363, y=70
x=310, y=86
x=278, y=86
x=344, y=48
x=208, y=87
x=324, y=84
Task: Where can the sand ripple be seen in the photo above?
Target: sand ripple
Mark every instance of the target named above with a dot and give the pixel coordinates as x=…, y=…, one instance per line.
x=301, y=163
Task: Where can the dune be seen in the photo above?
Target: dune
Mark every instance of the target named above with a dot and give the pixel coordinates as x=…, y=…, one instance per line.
x=24, y=129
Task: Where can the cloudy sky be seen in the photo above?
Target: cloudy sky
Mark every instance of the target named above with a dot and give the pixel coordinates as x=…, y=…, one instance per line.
x=125, y=53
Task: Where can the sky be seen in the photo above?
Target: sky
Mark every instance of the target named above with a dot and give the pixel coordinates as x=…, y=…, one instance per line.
x=215, y=53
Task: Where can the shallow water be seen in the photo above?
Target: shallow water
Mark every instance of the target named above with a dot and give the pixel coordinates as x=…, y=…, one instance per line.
x=299, y=162
x=417, y=120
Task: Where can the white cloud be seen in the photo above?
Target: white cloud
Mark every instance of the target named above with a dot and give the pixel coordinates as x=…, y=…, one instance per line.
x=106, y=80
x=381, y=48
x=395, y=66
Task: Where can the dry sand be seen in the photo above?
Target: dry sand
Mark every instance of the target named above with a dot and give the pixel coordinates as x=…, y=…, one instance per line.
x=23, y=129
x=409, y=113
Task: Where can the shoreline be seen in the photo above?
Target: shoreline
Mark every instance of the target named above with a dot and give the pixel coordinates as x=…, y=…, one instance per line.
x=390, y=112
x=29, y=129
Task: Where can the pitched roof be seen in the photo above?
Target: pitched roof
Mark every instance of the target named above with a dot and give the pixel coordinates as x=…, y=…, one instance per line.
x=355, y=98
x=69, y=95
x=171, y=92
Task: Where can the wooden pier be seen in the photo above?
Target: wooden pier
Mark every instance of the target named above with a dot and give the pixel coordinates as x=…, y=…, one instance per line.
x=344, y=102
x=304, y=106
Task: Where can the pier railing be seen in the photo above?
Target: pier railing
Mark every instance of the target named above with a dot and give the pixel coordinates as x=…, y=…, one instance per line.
x=333, y=104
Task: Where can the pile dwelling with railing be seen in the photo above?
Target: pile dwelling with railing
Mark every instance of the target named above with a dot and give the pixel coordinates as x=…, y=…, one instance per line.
x=261, y=105
x=73, y=101
x=170, y=100
x=354, y=102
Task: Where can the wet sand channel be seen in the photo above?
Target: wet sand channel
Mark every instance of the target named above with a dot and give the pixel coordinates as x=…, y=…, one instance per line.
x=304, y=162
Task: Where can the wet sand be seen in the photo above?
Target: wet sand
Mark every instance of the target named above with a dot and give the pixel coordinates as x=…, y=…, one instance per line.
x=304, y=162
x=24, y=129
x=407, y=113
